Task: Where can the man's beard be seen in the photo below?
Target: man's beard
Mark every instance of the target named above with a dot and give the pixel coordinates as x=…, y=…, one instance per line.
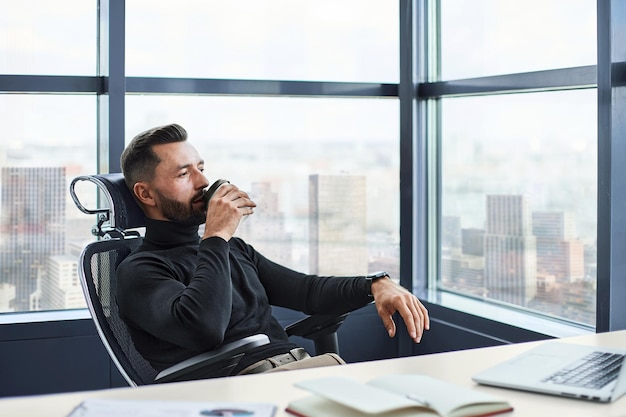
x=180, y=212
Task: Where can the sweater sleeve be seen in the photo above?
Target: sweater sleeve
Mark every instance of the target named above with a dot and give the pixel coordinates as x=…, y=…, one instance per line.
x=193, y=315
x=310, y=294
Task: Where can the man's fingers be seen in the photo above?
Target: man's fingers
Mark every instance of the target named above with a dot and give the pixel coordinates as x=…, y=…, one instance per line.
x=424, y=311
x=386, y=316
x=390, y=325
x=422, y=318
x=415, y=317
x=412, y=321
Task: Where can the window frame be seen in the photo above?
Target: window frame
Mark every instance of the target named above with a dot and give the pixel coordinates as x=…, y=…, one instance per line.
x=609, y=78
x=111, y=86
x=419, y=126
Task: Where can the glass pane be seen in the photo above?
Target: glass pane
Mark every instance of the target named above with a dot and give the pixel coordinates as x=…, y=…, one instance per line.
x=348, y=40
x=490, y=37
x=519, y=200
x=298, y=158
x=41, y=231
x=48, y=37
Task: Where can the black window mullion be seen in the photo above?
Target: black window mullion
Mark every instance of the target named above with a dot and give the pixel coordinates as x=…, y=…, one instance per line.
x=163, y=85
x=611, y=285
x=111, y=56
x=556, y=79
x=410, y=265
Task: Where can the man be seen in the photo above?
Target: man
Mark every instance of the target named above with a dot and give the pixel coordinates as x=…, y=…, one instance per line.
x=182, y=294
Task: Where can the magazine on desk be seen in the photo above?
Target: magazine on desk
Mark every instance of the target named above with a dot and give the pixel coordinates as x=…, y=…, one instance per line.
x=393, y=396
x=103, y=407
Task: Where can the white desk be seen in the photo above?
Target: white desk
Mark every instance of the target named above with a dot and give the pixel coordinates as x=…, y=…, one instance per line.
x=277, y=388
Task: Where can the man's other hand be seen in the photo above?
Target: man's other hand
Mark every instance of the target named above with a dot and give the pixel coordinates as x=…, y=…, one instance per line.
x=390, y=297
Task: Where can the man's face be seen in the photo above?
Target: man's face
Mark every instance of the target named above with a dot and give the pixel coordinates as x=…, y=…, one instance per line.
x=178, y=184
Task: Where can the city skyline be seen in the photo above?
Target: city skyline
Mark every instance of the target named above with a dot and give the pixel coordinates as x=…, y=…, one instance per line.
x=527, y=258
x=53, y=280
x=280, y=226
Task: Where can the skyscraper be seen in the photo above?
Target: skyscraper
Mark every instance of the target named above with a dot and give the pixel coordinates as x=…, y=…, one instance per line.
x=338, y=217
x=510, y=250
x=7, y=295
x=60, y=287
x=32, y=226
x=558, y=252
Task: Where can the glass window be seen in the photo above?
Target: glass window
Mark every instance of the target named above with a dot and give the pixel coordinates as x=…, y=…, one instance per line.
x=324, y=172
x=491, y=37
x=48, y=37
x=47, y=141
x=518, y=200
x=317, y=40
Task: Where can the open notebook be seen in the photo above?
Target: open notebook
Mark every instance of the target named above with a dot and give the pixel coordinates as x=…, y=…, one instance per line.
x=565, y=369
x=399, y=395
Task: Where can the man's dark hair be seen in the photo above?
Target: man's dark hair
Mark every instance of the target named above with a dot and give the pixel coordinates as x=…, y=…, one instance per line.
x=138, y=161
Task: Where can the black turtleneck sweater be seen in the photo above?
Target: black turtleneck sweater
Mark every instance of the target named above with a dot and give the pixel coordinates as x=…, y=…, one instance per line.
x=181, y=296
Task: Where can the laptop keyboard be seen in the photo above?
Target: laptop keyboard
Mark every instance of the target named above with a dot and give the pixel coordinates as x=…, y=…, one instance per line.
x=593, y=371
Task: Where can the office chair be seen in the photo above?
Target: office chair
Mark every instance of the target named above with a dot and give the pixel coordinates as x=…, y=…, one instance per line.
x=117, y=229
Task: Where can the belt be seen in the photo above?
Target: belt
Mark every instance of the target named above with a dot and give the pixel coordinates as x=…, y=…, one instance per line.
x=276, y=361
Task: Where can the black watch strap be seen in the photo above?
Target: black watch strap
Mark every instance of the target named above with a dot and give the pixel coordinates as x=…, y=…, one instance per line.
x=373, y=277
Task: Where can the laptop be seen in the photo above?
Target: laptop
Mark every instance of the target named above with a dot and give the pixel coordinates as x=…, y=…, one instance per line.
x=568, y=370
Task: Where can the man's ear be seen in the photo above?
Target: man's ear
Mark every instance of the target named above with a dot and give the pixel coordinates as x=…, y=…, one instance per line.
x=143, y=193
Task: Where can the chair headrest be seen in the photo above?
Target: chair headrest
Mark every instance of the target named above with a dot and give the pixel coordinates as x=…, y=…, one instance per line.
x=123, y=211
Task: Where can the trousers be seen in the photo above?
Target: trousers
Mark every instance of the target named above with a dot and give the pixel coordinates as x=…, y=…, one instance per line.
x=295, y=359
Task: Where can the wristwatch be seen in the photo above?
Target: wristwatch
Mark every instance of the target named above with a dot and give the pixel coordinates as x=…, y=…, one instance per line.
x=369, y=279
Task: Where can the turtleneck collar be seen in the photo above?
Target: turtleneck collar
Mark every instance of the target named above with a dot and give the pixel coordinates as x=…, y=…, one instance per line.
x=166, y=233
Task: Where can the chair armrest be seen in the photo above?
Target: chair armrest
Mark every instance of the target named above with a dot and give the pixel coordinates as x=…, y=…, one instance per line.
x=321, y=329
x=311, y=326
x=216, y=363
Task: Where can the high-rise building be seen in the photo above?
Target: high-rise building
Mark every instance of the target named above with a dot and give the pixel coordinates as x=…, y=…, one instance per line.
x=463, y=272
x=338, y=224
x=558, y=252
x=553, y=224
x=462, y=264
x=32, y=226
x=510, y=250
x=7, y=296
x=473, y=241
x=60, y=288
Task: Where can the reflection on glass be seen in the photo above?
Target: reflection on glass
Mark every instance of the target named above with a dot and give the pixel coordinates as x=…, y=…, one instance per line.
x=318, y=40
x=491, y=37
x=48, y=37
x=323, y=172
x=518, y=201
x=41, y=232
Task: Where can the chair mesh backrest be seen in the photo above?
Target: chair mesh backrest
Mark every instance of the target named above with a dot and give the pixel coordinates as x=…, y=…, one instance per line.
x=99, y=261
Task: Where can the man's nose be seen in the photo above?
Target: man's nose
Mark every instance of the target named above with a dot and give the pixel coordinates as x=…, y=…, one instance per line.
x=200, y=180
